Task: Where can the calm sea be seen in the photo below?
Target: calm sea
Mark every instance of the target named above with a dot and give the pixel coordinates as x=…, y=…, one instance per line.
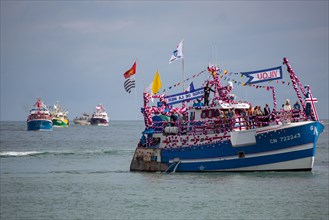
x=82, y=172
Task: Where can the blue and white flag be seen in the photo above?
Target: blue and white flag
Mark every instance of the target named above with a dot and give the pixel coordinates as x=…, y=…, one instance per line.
x=260, y=76
x=190, y=88
x=178, y=53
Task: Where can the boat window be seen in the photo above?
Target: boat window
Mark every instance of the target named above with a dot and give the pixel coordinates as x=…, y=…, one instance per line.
x=210, y=113
x=192, y=116
x=241, y=154
x=216, y=114
x=204, y=113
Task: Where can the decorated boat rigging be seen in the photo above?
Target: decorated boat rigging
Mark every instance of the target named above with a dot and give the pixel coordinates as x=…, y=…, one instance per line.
x=224, y=134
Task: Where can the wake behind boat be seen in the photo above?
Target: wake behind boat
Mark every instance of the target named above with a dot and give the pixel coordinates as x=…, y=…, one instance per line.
x=39, y=118
x=99, y=117
x=223, y=134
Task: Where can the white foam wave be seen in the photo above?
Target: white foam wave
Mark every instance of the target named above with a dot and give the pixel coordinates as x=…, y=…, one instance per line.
x=19, y=154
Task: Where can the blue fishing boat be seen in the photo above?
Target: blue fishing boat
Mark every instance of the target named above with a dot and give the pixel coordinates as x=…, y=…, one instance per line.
x=39, y=118
x=226, y=134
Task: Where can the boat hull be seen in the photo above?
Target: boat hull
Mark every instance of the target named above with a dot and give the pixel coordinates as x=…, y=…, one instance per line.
x=288, y=147
x=57, y=122
x=99, y=122
x=39, y=125
x=81, y=122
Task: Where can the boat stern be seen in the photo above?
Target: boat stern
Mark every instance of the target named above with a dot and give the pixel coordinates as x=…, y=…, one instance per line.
x=147, y=160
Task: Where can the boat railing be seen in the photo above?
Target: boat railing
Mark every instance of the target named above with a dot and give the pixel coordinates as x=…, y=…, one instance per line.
x=33, y=117
x=291, y=116
x=226, y=124
x=196, y=126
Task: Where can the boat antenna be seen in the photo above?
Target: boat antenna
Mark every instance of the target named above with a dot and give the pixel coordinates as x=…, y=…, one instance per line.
x=183, y=75
x=139, y=67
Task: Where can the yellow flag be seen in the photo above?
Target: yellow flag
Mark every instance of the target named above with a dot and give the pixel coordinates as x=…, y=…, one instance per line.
x=157, y=84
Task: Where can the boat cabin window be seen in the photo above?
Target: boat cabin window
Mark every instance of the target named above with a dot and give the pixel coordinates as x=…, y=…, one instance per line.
x=192, y=116
x=216, y=113
x=203, y=114
x=209, y=113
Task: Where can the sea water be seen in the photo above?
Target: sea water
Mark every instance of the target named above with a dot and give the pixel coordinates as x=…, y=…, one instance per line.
x=82, y=172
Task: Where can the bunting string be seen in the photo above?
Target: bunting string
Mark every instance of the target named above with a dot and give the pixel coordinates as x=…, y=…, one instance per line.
x=229, y=76
x=186, y=80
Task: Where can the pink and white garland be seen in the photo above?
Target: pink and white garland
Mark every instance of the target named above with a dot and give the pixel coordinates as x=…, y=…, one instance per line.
x=295, y=81
x=149, y=111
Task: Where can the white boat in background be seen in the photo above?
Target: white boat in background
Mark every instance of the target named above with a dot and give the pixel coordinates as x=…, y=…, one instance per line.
x=99, y=117
x=82, y=120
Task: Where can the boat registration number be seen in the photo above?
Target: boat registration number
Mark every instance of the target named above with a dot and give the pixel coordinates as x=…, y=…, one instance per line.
x=285, y=138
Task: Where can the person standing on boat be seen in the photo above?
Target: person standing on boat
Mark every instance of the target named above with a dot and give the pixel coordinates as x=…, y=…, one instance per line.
x=308, y=107
x=287, y=106
x=295, y=111
x=287, y=110
x=267, y=113
x=206, y=94
x=173, y=119
x=251, y=117
x=259, y=116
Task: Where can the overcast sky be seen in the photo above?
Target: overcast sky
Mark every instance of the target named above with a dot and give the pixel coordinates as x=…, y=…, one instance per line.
x=76, y=52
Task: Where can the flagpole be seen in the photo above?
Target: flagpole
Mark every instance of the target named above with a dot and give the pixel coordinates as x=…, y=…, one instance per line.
x=183, y=75
x=136, y=102
x=183, y=67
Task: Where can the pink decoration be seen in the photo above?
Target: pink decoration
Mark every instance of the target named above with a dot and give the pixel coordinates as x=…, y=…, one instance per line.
x=294, y=81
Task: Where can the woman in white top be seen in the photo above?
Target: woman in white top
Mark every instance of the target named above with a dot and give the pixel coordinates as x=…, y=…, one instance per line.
x=287, y=106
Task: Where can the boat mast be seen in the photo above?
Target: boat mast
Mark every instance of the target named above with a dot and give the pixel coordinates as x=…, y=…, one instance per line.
x=183, y=75
x=295, y=81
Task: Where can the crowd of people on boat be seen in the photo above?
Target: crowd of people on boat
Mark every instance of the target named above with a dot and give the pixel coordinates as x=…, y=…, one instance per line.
x=239, y=118
x=235, y=118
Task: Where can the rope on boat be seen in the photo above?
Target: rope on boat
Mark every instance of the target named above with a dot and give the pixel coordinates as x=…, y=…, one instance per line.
x=176, y=167
x=169, y=167
x=174, y=163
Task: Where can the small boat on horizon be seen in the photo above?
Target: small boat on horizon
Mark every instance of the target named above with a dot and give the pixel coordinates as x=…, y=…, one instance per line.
x=39, y=118
x=99, y=117
x=84, y=119
x=58, y=116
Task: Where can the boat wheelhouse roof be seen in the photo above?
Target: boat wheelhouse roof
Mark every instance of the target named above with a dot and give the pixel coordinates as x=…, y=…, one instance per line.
x=227, y=105
x=39, y=111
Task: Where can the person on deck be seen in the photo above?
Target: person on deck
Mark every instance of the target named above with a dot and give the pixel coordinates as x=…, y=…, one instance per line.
x=287, y=110
x=251, y=117
x=207, y=90
x=173, y=119
x=267, y=110
x=267, y=113
x=287, y=106
x=308, y=112
x=295, y=111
